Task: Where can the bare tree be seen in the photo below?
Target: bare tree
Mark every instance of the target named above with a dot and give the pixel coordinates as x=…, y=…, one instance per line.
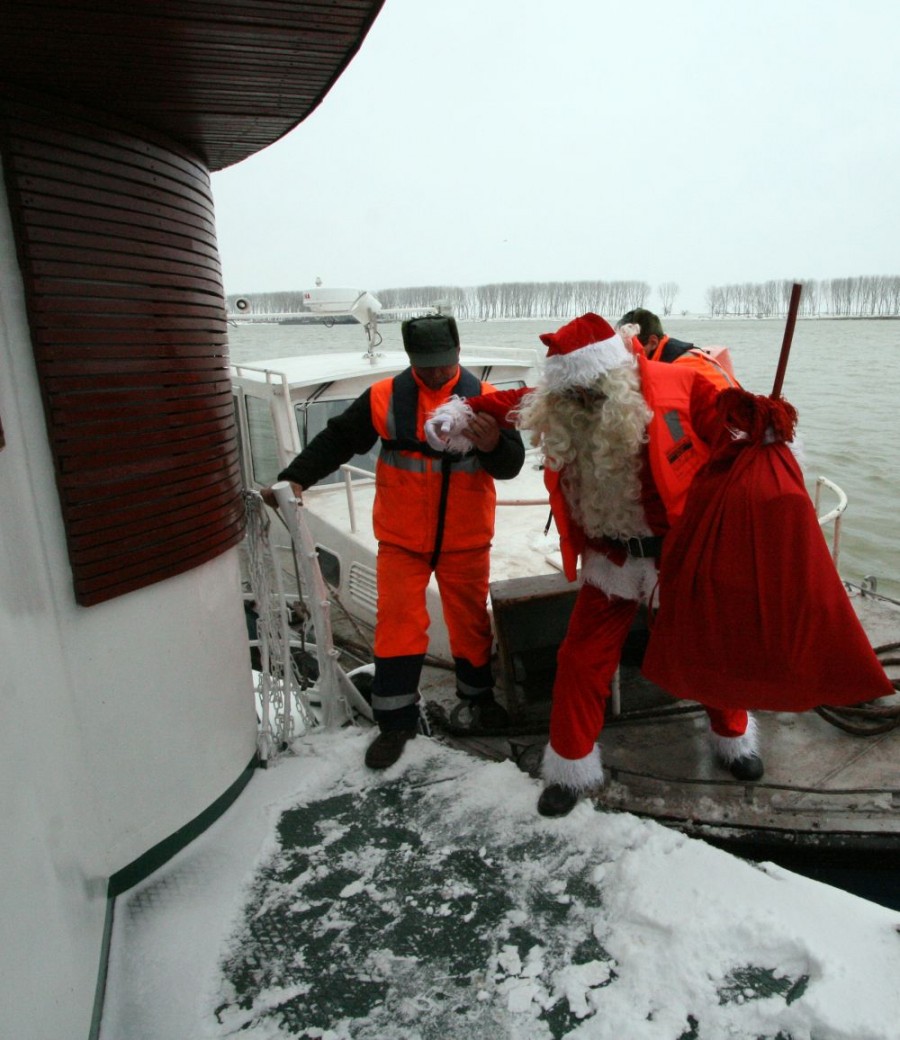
x=667, y=293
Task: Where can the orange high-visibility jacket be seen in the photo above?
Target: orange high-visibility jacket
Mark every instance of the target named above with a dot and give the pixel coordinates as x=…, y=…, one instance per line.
x=416, y=506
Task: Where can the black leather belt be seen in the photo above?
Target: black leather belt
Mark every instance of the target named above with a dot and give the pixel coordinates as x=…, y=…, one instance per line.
x=644, y=548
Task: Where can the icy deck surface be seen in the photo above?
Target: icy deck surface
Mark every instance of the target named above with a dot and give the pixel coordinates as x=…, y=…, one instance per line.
x=432, y=902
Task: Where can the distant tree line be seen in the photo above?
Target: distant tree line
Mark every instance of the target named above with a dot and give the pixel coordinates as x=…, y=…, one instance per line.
x=522, y=299
x=478, y=303
x=286, y=302
x=872, y=296
x=867, y=296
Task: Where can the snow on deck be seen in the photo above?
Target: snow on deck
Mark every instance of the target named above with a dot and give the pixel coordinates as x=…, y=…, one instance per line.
x=431, y=901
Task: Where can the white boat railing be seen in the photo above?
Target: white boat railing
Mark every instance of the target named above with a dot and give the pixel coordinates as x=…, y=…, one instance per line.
x=341, y=701
x=350, y=472
x=834, y=515
x=283, y=701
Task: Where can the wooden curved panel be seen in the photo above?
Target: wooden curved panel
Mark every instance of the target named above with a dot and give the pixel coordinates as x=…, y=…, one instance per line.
x=117, y=245
x=225, y=78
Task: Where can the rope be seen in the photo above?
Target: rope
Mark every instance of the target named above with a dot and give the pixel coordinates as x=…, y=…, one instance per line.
x=282, y=697
x=873, y=718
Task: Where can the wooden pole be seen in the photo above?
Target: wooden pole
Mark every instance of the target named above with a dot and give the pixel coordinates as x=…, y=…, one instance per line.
x=786, y=342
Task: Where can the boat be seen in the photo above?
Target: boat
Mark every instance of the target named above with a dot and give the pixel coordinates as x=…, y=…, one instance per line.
x=129, y=717
x=282, y=403
x=409, y=904
x=835, y=802
x=131, y=740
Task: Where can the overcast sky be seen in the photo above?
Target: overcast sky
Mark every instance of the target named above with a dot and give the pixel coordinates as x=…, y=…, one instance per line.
x=703, y=142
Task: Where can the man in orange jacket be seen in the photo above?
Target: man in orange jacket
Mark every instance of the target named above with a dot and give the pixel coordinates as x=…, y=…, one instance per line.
x=646, y=328
x=433, y=513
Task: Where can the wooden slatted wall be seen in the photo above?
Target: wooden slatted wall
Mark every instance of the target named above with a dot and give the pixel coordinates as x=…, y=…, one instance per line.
x=116, y=240
x=224, y=77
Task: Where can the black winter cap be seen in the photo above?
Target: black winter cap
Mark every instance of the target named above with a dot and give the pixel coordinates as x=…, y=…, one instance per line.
x=431, y=341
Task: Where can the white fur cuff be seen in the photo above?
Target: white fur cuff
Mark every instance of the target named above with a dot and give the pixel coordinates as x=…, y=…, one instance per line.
x=729, y=749
x=578, y=774
x=443, y=428
x=634, y=579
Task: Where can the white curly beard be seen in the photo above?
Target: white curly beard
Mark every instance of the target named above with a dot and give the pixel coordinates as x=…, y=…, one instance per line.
x=597, y=446
x=616, y=512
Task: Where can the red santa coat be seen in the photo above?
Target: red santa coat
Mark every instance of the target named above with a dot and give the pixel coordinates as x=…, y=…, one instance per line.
x=614, y=582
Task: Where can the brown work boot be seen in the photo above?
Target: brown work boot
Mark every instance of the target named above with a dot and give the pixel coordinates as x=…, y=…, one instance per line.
x=387, y=747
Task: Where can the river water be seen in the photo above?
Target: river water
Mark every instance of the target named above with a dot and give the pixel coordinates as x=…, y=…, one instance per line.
x=843, y=377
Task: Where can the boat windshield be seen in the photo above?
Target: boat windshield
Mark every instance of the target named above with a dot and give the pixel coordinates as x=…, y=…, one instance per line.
x=313, y=417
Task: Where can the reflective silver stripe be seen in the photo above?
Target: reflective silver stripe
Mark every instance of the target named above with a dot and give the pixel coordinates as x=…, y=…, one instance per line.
x=403, y=700
x=421, y=464
x=410, y=463
x=468, y=464
x=673, y=421
x=390, y=423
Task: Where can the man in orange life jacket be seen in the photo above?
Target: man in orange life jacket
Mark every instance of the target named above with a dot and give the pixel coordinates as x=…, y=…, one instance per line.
x=646, y=328
x=433, y=513
x=622, y=438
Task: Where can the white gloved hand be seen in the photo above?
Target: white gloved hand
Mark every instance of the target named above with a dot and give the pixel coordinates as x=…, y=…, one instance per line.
x=437, y=432
x=443, y=428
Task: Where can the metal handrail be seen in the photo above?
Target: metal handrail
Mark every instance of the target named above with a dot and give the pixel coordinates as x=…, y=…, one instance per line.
x=833, y=515
x=349, y=471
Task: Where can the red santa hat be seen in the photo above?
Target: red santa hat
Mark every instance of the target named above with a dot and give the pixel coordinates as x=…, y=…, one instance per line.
x=582, y=351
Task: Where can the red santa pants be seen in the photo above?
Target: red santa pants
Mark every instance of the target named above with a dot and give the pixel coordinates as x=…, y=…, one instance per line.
x=586, y=663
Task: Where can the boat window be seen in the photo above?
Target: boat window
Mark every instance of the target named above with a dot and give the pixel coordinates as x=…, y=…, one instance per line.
x=508, y=384
x=261, y=434
x=313, y=417
x=330, y=566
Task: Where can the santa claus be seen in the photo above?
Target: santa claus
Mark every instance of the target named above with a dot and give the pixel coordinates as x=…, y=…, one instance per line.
x=752, y=612
x=621, y=444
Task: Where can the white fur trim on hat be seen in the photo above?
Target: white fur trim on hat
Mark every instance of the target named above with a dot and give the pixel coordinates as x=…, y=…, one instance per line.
x=443, y=428
x=730, y=749
x=584, y=366
x=578, y=774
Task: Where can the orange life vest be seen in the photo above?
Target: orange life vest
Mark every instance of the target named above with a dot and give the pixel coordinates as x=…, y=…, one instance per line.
x=712, y=362
x=676, y=451
x=416, y=508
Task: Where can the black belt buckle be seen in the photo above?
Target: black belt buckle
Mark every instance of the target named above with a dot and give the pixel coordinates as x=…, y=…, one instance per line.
x=644, y=548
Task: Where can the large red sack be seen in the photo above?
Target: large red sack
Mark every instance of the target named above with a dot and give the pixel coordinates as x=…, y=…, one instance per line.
x=752, y=612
